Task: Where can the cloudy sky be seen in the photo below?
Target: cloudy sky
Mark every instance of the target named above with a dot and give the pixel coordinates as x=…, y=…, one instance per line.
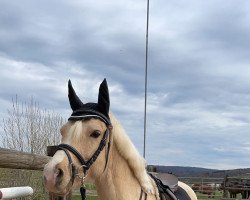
x=198, y=75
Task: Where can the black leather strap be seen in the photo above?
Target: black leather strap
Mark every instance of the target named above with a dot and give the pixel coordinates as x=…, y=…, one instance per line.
x=66, y=148
x=89, y=113
x=85, y=163
x=163, y=189
x=71, y=166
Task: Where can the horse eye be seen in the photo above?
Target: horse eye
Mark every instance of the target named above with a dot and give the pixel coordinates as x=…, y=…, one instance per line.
x=95, y=134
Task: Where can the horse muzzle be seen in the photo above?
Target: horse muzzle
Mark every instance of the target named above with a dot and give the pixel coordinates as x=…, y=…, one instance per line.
x=56, y=179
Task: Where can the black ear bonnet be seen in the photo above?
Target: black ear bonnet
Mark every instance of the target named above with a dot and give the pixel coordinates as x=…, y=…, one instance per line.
x=98, y=110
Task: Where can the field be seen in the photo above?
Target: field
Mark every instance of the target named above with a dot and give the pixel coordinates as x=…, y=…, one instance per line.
x=78, y=197
x=218, y=196
x=11, y=178
x=15, y=178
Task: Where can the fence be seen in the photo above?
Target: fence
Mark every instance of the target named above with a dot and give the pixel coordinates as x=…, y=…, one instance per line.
x=228, y=188
x=20, y=160
x=12, y=159
x=15, y=192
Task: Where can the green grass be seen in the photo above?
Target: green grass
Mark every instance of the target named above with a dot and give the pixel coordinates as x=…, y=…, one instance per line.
x=90, y=186
x=78, y=197
x=218, y=196
x=205, y=196
x=17, y=177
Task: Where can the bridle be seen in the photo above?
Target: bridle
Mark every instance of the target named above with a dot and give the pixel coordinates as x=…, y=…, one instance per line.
x=83, y=111
x=86, y=164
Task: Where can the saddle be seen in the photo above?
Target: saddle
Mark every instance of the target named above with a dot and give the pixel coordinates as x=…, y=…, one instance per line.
x=169, y=190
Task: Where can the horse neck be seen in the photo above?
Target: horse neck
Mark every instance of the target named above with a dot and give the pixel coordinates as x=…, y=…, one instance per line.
x=118, y=181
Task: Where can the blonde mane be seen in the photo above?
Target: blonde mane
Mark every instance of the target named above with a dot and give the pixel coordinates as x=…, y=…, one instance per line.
x=128, y=151
x=125, y=147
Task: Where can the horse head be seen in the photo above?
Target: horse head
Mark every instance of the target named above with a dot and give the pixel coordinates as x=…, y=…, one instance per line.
x=84, y=136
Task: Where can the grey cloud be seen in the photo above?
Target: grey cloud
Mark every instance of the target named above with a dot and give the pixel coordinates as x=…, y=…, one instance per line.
x=69, y=33
x=198, y=83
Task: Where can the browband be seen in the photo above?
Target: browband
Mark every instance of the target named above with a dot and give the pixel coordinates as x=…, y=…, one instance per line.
x=88, y=113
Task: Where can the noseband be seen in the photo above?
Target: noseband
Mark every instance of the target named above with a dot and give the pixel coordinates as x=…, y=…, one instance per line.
x=86, y=164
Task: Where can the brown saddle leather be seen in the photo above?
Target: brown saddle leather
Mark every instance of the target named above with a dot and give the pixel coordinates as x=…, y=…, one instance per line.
x=171, y=181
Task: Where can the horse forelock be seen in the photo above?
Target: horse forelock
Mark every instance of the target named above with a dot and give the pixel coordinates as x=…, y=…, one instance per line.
x=71, y=130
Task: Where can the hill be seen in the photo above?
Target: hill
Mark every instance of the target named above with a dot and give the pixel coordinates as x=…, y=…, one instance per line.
x=198, y=171
x=183, y=171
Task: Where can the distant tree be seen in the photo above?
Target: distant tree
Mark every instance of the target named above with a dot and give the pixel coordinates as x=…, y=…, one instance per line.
x=29, y=128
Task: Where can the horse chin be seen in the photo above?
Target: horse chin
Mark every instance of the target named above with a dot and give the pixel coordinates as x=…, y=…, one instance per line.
x=60, y=189
x=62, y=192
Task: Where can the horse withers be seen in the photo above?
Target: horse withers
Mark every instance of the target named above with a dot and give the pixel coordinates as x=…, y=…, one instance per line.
x=95, y=148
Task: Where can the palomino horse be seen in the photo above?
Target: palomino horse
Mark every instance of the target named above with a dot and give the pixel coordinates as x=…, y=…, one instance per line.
x=95, y=148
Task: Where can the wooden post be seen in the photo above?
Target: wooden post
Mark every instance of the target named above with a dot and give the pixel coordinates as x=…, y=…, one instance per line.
x=13, y=159
x=51, y=150
x=20, y=160
x=225, y=184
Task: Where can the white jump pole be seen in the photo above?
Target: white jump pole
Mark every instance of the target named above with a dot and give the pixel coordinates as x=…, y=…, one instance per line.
x=14, y=192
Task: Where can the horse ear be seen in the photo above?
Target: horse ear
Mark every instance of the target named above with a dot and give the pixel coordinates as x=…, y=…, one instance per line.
x=103, y=98
x=74, y=100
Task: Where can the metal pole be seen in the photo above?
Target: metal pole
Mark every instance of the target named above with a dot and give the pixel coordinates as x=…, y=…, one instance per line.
x=146, y=82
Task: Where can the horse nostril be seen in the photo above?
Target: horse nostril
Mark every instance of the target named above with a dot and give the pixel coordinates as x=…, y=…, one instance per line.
x=59, y=172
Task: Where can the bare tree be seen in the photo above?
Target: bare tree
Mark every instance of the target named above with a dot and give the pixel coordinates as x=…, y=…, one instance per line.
x=29, y=128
